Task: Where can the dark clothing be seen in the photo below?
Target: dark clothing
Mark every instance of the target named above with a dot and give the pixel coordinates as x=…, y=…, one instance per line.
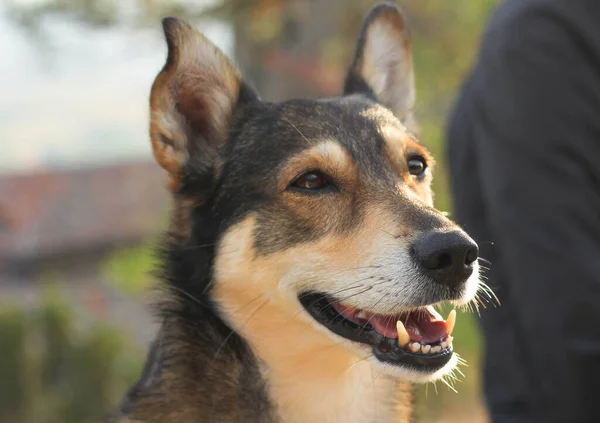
x=524, y=152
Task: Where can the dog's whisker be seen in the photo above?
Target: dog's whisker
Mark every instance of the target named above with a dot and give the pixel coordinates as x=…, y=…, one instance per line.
x=194, y=247
x=445, y=382
x=372, y=315
x=457, y=369
x=359, y=361
x=298, y=130
x=187, y=294
x=358, y=293
x=386, y=232
x=351, y=269
x=489, y=292
x=247, y=304
x=342, y=290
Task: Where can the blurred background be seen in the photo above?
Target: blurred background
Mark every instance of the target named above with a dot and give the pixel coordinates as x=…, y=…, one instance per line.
x=82, y=203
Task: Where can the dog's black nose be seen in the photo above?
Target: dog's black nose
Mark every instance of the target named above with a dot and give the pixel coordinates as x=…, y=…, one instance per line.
x=446, y=257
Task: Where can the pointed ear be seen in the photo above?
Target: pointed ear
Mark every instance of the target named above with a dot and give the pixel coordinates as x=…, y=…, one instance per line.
x=192, y=104
x=382, y=67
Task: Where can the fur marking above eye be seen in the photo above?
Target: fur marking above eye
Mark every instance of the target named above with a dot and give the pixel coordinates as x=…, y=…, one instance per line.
x=417, y=166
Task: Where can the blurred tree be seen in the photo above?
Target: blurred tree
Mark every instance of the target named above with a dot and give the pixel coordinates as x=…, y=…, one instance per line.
x=53, y=371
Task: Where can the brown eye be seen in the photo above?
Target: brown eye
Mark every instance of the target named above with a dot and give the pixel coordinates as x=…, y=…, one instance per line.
x=417, y=166
x=311, y=181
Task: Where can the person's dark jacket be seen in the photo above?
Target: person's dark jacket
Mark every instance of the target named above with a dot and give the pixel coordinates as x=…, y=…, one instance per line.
x=524, y=155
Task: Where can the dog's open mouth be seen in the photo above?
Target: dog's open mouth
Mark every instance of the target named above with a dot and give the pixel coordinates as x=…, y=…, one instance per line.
x=420, y=339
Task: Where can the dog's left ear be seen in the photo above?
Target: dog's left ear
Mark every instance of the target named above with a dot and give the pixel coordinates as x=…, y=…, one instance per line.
x=192, y=104
x=382, y=67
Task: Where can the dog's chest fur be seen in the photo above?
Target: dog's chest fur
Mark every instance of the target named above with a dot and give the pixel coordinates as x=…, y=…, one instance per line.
x=187, y=383
x=360, y=395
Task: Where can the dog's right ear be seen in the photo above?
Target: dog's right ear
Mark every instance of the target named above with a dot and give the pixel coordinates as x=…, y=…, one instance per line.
x=382, y=67
x=192, y=102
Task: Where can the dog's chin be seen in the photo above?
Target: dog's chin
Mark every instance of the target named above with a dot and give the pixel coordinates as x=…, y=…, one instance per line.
x=410, y=374
x=414, y=345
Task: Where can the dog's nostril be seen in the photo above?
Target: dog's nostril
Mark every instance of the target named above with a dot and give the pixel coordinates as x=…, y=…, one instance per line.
x=437, y=261
x=472, y=256
x=445, y=260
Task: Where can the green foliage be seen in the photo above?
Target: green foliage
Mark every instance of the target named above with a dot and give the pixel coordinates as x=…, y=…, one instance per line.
x=129, y=269
x=53, y=371
x=445, y=39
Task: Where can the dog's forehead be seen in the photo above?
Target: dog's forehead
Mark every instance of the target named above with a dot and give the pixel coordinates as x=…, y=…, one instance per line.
x=362, y=127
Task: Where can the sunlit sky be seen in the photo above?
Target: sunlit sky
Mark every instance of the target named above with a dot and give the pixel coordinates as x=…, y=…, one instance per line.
x=80, y=96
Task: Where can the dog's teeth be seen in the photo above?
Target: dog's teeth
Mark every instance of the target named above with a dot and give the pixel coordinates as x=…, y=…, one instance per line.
x=449, y=339
x=415, y=347
x=436, y=349
x=426, y=349
x=450, y=322
x=403, y=337
x=444, y=345
x=361, y=315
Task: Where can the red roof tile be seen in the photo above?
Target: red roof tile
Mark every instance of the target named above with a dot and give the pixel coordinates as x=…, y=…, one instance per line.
x=57, y=212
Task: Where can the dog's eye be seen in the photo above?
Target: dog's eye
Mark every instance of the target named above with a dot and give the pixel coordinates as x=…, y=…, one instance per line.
x=417, y=166
x=311, y=181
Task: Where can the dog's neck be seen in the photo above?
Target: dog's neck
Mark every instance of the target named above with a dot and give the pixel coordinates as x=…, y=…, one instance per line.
x=308, y=384
x=315, y=385
x=219, y=379
x=313, y=378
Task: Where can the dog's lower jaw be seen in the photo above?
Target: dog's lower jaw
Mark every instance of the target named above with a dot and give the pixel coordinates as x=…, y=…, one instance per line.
x=309, y=375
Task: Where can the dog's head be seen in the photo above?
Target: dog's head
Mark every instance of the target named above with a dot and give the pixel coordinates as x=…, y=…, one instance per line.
x=326, y=234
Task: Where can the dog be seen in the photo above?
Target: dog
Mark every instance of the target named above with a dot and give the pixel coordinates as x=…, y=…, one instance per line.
x=304, y=254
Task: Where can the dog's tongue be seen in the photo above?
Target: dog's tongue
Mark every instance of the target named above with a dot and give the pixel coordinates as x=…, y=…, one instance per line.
x=384, y=325
x=422, y=327
x=425, y=326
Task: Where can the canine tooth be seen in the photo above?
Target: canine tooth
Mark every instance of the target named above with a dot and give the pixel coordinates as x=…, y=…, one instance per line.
x=444, y=345
x=450, y=322
x=449, y=339
x=361, y=315
x=436, y=349
x=403, y=337
x=426, y=348
x=415, y=347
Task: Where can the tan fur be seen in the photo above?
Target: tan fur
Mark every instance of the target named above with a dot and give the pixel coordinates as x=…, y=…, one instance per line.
x=395, y=148
x=331, y=158
x=327, y=156
x=302, y=362
x=398, y=145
